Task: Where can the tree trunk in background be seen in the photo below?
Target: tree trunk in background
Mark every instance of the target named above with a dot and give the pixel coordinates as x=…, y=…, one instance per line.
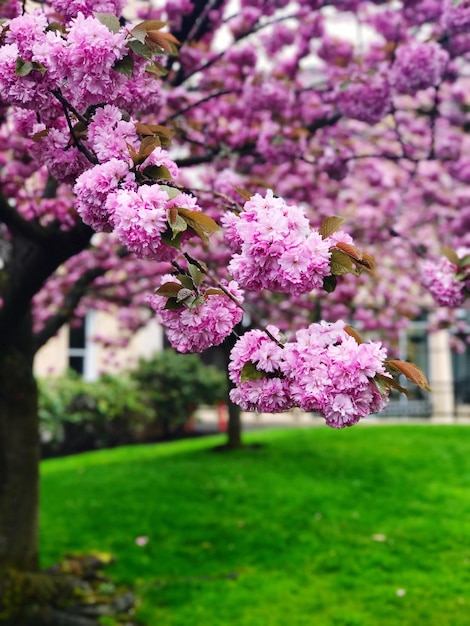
x=234, y=426
x=19, y=450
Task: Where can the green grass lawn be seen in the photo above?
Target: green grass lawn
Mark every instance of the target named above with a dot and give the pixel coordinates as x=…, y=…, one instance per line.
x=362, y=527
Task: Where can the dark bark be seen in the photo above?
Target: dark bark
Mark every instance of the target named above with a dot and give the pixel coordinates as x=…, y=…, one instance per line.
x=19, y=450
x=29, y=260
x=234, y=425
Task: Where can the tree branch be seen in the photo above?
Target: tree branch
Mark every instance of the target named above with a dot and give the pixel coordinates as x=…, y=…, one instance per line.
x=67, y=107
x=65, y=314
x=17, y=225
x=195, y=104
x=30, y=264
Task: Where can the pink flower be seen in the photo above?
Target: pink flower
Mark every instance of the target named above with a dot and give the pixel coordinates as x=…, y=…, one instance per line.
x=418, y=66
x=199, y=325
x=29, y=91
x=93, y=188
x=109, y=135
x=324, y=370
x=160, y=158
x=25, y=31
x=141, y=541
x=439, y=277
x=139, y=219
x=275, y=247
x=367, y=99
x=71, y=8
x=88, y=61
x=455, y=16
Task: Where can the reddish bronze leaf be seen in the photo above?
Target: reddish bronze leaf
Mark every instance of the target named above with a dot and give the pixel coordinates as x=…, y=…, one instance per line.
x=384, y=383
x=172, y=215
x=202, y=224
x=213, y=291
x=411, y=371
x=352, y=333
x=41, y=134
x=169, y=290
x=368, y=261
x=148, y=145
x=350, y=250
x=243, y=193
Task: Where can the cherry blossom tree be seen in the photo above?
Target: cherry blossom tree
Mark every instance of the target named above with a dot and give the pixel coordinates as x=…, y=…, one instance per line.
x=200, y=160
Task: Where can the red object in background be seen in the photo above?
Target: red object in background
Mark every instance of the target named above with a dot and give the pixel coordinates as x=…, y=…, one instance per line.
x=222, y=417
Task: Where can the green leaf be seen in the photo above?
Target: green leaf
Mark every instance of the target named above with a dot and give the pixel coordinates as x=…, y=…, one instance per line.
x=464, y=261
x=186, y=281
x=140, y=49
x=171, y=191
x=249, y=372
x=330, y=225
x=109, y=20
x=172, y=305
x=156, y=69
x=39, y=67
x=23, y=68
x=384, y=384
x=178, y=226
x=450, y=254
x=195, y=302
x=172, y=240
x=157, y=172
x=185, y=294
x=125, y=66
x=56, y=27
x=341, y=263
x=329, y=283
x=196, y=274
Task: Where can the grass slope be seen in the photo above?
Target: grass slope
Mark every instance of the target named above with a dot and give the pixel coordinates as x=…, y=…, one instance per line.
x=362, y=527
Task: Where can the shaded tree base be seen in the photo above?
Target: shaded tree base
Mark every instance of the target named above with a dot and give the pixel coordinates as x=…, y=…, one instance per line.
x=73, y=593
x=229, y=447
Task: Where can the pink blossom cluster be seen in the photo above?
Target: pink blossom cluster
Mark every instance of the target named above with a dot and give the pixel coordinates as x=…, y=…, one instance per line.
x=367, y=99
x=324, y=370
x=418, y=66
x=93, y=188
x=455, y=16
x=109, y=135
x=275, y=247
x=140, y=218
x=63, y=161
x=80, y=62
x=203, y=323
x=10, y=8
x=447, y=283
x=71, y=8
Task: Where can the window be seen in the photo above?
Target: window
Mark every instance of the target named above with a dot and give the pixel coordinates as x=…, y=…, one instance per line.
x=82, y=350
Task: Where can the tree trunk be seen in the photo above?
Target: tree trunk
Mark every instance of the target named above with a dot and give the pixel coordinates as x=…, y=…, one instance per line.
x=19, y=450
x=234, y=426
